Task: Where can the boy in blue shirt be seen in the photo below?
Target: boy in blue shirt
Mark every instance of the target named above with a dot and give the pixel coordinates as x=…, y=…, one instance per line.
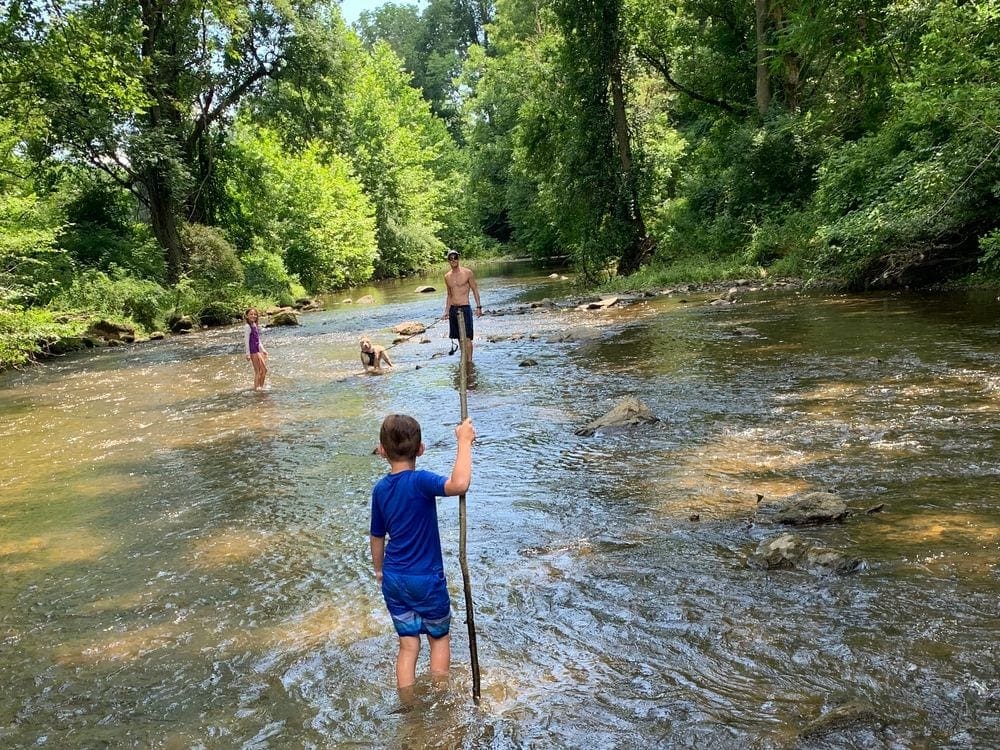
x=410, y=568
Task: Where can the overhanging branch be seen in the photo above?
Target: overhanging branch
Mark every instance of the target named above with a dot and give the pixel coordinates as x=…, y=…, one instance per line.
x=664, y=69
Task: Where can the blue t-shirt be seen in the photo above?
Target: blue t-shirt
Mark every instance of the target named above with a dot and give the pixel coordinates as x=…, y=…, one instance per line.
x=404, y=506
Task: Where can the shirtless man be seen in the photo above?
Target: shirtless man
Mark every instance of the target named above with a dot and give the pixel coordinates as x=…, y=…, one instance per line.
x=460, y=282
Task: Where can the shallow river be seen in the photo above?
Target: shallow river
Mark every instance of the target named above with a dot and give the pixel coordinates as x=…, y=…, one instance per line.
x=184, y=563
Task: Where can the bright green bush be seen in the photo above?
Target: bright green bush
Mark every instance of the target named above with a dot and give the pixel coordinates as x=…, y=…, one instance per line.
x=115, y=296
x=32, y=267
x=211, y=258
x=265, y=274
x=21, y=331
x=989, y=263
x=101, y=232
x=923, y=187
x=308, y=206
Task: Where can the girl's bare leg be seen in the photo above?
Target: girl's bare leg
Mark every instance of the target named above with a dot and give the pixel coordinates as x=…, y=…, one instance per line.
x=406, y=660
x=258, y=371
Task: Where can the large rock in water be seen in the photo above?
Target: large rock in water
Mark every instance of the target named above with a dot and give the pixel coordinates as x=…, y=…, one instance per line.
x=409, y=328
x=628, y=412
x=284, y=318
x=181, y=323
x=792, y=551
x=108, y=331
x=813, y=508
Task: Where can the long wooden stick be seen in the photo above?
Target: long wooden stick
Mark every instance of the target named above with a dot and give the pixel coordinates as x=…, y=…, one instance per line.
x=470, y=618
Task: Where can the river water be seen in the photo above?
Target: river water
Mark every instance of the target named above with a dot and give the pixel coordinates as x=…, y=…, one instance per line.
x=184, y=563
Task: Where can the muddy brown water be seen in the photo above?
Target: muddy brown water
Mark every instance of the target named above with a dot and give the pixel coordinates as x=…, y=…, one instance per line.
x=184, y=563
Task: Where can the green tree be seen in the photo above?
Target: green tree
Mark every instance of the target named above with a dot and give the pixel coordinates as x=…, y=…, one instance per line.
x=433, y=44
x=307, y=205
x=137, y=90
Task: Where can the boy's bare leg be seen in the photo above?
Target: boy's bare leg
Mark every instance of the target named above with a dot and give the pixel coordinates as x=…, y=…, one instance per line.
x=440, y=656
x=406, y=660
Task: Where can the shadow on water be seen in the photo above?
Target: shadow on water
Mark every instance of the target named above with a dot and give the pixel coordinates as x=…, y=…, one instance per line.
x=185, y=563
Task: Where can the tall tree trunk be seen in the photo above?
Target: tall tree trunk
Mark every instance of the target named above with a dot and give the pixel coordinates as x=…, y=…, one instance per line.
x=163, y=219
x=793, y=82
x=763, y=79
x=792, y=85
x=641, y=244
x=199, y=206
x=160, y=83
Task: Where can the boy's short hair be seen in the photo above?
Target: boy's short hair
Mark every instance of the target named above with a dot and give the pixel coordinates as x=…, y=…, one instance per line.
x=400, y=437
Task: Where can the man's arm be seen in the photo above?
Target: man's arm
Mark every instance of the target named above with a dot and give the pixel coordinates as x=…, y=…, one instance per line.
x=378, y=555
x=475, y=293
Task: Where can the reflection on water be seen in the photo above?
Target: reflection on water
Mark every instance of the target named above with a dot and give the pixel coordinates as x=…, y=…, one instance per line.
x=185, y=562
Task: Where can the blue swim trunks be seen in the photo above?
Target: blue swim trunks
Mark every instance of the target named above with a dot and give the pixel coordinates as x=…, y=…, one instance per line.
x=417, y=603
x=453, y=312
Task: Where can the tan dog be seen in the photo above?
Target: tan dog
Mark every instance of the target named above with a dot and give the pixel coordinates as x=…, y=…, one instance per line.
x=372, y=355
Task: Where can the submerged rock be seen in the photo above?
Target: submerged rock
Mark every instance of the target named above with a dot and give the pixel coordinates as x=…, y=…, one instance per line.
x=629, y=412
x=580, y=333
x=813, y=508
x=845, y=716
x=789, y=551
x=601, y=304
x=424, y=289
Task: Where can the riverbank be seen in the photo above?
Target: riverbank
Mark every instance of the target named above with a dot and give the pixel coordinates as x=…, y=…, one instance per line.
x=34, y=335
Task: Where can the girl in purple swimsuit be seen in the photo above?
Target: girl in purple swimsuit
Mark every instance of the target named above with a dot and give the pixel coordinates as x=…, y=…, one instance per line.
x=255, y=351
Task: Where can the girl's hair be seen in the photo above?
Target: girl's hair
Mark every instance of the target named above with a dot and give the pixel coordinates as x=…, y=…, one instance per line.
x=246, y=315
x=400, y=437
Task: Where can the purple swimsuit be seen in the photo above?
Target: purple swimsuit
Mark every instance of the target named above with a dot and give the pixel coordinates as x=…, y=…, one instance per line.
x=254, y=339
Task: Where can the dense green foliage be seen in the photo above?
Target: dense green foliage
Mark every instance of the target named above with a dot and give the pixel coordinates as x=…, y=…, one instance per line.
x=161, y=159
x=853, y=140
